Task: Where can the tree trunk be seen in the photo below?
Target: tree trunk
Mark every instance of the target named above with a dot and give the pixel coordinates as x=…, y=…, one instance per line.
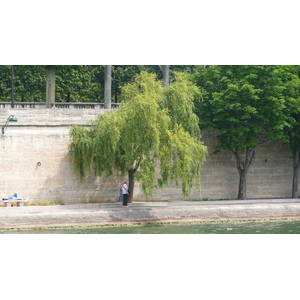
x=107, y=87
x=296, y=160
x=166, y=76
x=50, y=85
x=243, y=166
x=242, y=185
x=131, y=174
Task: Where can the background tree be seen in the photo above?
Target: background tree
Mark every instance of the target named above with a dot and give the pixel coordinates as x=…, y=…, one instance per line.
x=166, y=75
x=12, y=87
x=77, y=84
x=291, y=131
x=137, y=139
x=122, y=75
x=29, y=84
x=107, y=87
x=50, y=84
x=244, y=105
x=5, y=83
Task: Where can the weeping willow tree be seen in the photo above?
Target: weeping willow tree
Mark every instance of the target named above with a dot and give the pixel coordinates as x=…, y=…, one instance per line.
x=141, y=138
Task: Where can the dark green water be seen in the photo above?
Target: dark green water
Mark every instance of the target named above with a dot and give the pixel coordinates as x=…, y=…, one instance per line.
x=261, y=227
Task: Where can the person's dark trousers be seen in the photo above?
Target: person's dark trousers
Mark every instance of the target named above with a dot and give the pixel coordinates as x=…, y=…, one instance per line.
x=125, y=199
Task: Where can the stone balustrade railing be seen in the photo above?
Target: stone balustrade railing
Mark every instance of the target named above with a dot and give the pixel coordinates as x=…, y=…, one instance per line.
x=86, y=105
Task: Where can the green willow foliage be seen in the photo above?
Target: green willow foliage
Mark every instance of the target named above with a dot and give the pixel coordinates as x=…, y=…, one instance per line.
x=179, y=101
x=143, y=139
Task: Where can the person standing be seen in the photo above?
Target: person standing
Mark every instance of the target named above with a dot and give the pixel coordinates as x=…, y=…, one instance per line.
x=125, y=194
x=121, y=196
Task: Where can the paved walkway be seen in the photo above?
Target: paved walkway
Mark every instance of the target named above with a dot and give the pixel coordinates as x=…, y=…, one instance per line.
x=113, y=213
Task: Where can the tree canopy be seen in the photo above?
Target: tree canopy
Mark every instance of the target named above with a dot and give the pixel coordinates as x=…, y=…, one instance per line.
x=142, y=139
x=291, y=132
x=245, y=105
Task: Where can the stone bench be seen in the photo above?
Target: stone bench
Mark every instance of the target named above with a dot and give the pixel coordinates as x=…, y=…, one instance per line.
x=20, y=202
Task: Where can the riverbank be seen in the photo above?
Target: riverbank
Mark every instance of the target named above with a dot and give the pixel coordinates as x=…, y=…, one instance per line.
x=148, y=212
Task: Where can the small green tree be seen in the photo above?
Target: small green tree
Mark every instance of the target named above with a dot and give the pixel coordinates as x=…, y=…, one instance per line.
x=141, y=140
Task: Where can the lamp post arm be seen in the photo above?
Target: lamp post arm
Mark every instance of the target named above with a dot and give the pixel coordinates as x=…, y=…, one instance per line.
x=6, y=123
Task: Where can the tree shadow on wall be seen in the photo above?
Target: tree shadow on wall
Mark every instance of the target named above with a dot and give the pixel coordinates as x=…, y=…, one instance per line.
x=64, y=186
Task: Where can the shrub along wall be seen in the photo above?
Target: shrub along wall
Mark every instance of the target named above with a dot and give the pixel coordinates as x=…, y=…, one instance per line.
x=35, y=163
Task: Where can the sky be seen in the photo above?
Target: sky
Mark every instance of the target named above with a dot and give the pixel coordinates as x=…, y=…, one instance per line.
x=150, y=32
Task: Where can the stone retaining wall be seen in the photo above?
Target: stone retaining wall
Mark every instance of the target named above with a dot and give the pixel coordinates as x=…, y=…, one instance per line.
x=35, y=163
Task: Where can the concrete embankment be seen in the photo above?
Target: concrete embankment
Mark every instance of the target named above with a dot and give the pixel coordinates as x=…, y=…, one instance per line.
x=98, y=214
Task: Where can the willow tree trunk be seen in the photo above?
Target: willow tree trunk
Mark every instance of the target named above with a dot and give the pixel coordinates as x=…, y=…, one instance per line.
x=107, y=87
x=131, y=174
x=50, y=85
x=243, y=166
x=296, y=161
x=166, y=76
